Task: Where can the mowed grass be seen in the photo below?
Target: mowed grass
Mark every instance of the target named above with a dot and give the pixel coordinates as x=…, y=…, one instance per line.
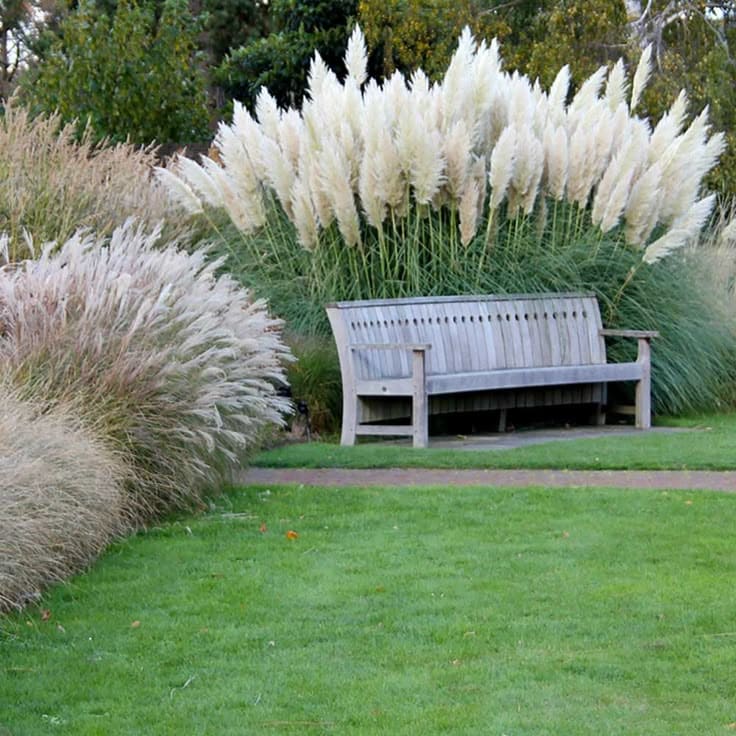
x=421, y=611
x=710, y=445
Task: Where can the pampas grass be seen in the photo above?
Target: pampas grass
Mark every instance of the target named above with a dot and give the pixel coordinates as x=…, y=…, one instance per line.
x=174, y=367
x=336, y=145
x=62, y=499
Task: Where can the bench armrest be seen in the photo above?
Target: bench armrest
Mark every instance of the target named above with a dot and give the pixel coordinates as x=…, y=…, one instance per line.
x=639, y=334
x=417, y=347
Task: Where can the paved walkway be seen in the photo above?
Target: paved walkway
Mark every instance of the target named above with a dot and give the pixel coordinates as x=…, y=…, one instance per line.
x=645, y=479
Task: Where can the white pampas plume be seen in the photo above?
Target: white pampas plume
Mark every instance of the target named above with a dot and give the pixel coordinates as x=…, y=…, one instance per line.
x=305, y=218
x=458, y=153
x=684, y=163
x=390, y=182
x=428, y=165
x=556, y=163
x=502, y=166
x=280, y=173
x=683, y=230
x=528, y=168
x=603, y=142
x=455, y=83
x=521, y=102
x=267, y=112
x=374, y=206
x=643, y=207
x=668, y=128
x=580, y=155
x=246, y=213
x=290, y=132
x=356, y=57
x=485, y=70
x=199, y=180
x=335, y=180
x=472, y=200
x=558, y=96
x=469, y=211
x=641, y=76
x=620, y=124
x=235, y=158
x=352, y=108
x=616, y=202
x=318, y=72
x=313, y=174
x=616, y=86
x=247, y=130
x=179, y=191
x=587, y=95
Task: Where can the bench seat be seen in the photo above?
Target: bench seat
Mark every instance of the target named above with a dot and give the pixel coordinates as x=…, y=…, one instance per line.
x=504, y=379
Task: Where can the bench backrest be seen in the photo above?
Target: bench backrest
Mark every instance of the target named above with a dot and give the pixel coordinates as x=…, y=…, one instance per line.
x=470, y=333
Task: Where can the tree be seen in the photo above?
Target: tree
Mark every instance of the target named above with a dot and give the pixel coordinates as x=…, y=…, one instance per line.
x=280, y=61
x=230, y=24
x=129, y=76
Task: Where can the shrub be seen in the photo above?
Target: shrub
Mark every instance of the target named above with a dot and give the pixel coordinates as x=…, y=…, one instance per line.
x=315, y=379
x=133, y=75
x=483, y=182
x=61, y=498
x=172, y=366
x=51, y=184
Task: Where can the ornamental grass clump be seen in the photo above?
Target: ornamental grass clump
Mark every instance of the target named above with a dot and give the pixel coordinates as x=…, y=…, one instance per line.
x=481, y=182
x=61, y=498
x=53, y=183
x=174, y=367
x=362, y=156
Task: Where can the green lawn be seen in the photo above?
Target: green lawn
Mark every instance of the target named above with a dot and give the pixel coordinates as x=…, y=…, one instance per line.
x=710, y=446
x=422, y=611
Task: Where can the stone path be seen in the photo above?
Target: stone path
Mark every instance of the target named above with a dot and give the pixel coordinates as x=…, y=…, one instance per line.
x=644, y=479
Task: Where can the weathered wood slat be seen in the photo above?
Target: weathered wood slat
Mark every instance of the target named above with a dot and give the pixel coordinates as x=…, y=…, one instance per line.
x=522, y=377
x=385, y=429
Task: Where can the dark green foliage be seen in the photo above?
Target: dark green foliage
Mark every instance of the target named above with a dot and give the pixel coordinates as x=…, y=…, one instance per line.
x=280, y=61
x=233, y=23
x=131, y=77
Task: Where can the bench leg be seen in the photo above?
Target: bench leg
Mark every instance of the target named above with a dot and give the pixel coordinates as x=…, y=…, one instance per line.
x=349, y=420
x=644, y=403
x=502, y=421
x=419, y=404
x=644, y=387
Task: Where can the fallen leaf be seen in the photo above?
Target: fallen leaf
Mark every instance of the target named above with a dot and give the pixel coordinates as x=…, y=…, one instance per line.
x=566, y=535
x=291, y=534
x=45, y=614
x=135, y=625
x=456, y=662
x=60, y=628
x=263, y=528
x=732, y=726
x=688, y=503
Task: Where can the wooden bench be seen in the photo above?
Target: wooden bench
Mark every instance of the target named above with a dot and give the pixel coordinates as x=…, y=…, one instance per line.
x=439, y=349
